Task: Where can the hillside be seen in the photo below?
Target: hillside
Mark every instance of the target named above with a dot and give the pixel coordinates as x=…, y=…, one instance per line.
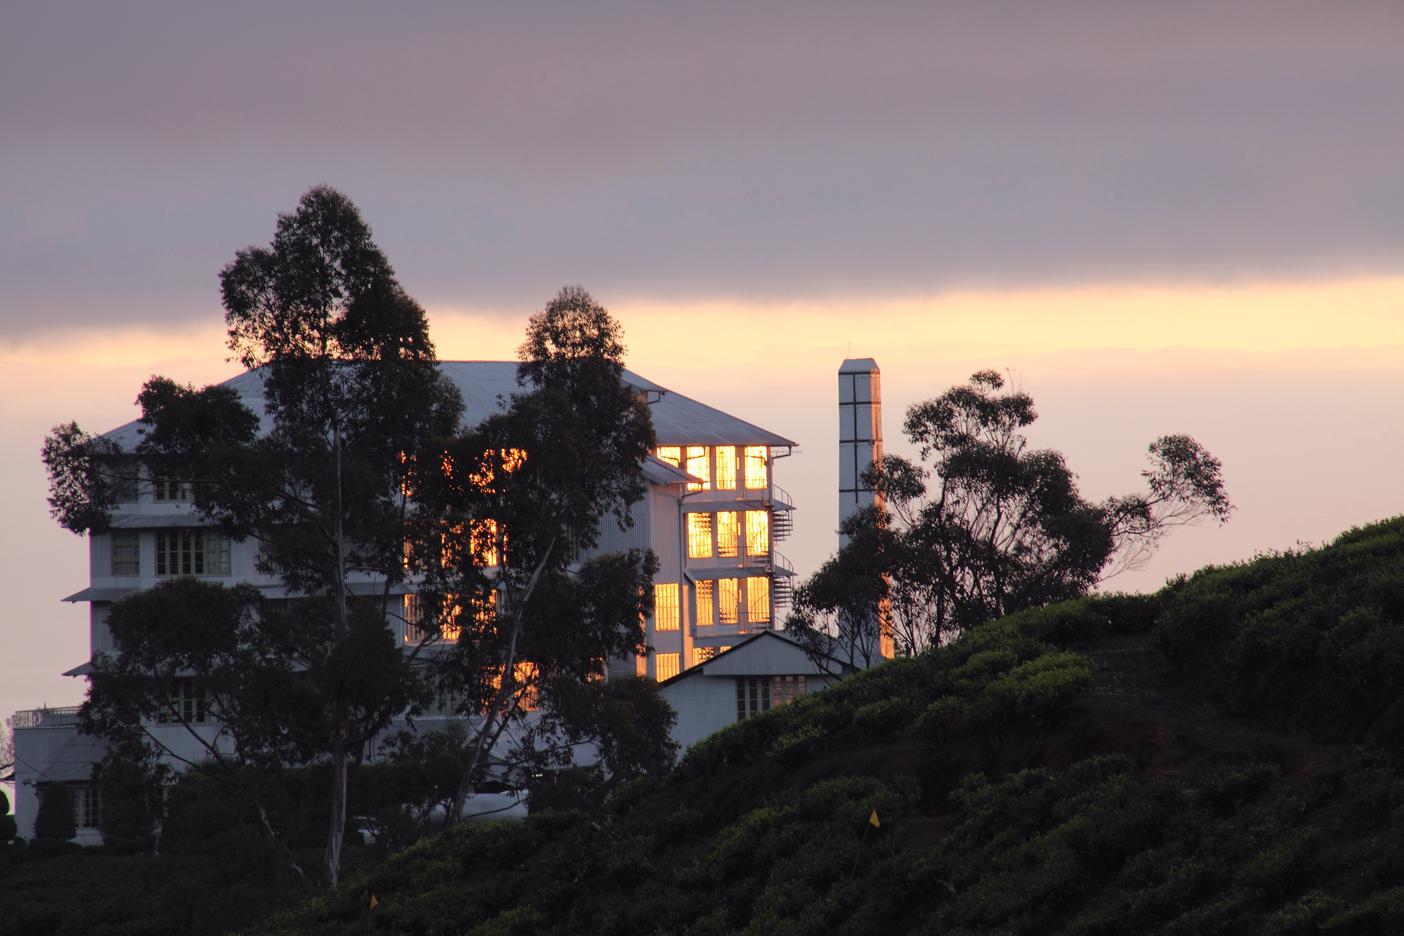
x=1220, y=757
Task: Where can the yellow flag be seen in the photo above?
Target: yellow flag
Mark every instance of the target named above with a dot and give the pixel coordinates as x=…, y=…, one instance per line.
x=873, y=820
x=374, y=902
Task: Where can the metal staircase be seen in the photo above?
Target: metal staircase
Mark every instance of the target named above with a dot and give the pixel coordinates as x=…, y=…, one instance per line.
x=782, y=515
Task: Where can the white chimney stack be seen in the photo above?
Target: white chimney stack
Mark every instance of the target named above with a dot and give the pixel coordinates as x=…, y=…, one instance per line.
x=860, y=433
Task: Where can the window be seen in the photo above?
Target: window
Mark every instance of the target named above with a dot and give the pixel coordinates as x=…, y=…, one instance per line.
x=482, y=541
x=758, y=600
x=727, y=600
x=701, y=655
x=87, y=807
x=641, y=665
x=666, y=665
x=728, y=528
x=168, y=489
x=126, y=481
x=525, y=681
x=186, y=704
x=752, y=696
x=757, y=532
x=706, y=610
x=671, y=454
x=699, y=536
x=755, y=466
x=126, y=553
x=726, y=468
x=191, y=552
x=785, y=689
x=699, y=465
x=482, y=607
x=665, y=607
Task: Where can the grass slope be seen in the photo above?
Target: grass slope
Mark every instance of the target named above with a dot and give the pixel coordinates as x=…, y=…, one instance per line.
x=1219, y=757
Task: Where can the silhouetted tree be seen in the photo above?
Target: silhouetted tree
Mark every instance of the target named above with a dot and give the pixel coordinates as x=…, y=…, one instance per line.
x=984, y=525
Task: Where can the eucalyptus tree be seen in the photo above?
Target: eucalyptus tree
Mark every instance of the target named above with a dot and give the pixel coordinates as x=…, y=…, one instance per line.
x=982, y=524
x=350, y=392
x=508, y=520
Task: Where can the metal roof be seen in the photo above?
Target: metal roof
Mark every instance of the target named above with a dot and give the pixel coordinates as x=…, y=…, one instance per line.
x=487, y=387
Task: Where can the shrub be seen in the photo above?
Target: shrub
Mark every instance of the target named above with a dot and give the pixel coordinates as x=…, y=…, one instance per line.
x=54, y=821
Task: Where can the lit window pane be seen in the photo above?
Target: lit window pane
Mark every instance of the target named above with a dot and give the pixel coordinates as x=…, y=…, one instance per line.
x=706, y=608
x=758, y=600
x=728, y=530
x=757, y=533
x=666, y=665
x=699, y=465
x=699, y=536
x=726, y=468
x=665, y=607
x=755, y=466
x=728, y=595
x=671, y=454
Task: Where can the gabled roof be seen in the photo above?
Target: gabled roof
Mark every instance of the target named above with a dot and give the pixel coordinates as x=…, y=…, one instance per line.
x=487, y=386
x=838, y=668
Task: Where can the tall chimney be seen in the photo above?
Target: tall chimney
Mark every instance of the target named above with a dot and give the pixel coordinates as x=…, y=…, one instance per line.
x=860, y=433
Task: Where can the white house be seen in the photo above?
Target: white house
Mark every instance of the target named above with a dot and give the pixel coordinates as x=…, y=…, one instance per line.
x=712, y=514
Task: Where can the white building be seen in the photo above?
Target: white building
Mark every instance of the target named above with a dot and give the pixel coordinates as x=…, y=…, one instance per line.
x=763, y=671
x=712, y=514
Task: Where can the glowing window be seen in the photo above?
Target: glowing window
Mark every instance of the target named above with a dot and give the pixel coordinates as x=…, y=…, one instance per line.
x=482, y=542
x=699, y=465
x=706, y=606
x=726, y=468
x=126, y=553
x=699, y=536
x=640, y=665
x=526, y=676
x=666, y=665
x=671, y=454
x=728, y=600
x=757, y=532
x=755, y=466
x=758, y=600
x=728, y=530
x=191, y=552
x=665, y=607
x=701, y=655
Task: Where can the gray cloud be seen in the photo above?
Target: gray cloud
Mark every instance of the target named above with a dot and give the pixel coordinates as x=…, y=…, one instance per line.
x=745, y=150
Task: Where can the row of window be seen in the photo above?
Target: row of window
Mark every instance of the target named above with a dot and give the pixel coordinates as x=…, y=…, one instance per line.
x=705, y=538
x=719, y=601
x=700, y=461
x=187, y=551
x=756, y=694
x=482, y=607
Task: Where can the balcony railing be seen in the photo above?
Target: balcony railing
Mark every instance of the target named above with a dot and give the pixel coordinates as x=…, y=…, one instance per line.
x=47, y=718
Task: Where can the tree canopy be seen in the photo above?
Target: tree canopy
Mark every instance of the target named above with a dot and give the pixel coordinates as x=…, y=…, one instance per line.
x=983, y=524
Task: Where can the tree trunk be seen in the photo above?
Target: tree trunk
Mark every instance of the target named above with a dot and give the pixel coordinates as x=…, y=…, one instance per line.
x=336, y=829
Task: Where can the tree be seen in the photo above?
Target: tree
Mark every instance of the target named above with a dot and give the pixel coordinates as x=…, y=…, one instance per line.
x=507, y=521
x=984, y=525
x=351, y=391
x=54, y=820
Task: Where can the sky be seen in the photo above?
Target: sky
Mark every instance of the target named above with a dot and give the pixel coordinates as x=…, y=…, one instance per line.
x=1155, y=217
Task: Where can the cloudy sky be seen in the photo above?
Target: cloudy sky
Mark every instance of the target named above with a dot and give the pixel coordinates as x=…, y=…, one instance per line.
x=1159, y=217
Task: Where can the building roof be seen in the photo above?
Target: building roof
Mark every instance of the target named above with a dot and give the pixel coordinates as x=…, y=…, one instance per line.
x=487, y=386
x=838, y=667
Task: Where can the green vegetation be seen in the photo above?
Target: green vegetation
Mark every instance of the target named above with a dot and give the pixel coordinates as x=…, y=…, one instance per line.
x=1220, y=757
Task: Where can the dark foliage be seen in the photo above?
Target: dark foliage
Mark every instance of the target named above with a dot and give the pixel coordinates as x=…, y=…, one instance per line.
x=984, y=525
x=54, y=821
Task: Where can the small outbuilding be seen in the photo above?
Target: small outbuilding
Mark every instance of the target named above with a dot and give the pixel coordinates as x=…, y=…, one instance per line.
x=759, y=673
